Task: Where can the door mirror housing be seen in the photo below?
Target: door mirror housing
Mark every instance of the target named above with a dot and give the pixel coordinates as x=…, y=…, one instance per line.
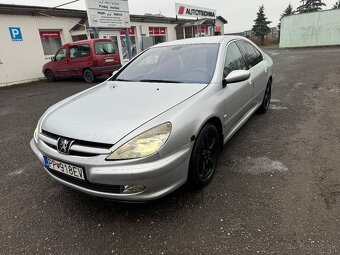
x=236, y=76
x=53, y=58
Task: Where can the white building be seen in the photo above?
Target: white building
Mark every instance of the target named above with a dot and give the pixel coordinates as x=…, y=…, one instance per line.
x=31, y=35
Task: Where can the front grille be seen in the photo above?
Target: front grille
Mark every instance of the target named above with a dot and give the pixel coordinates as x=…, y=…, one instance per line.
x=79, y=142
x=88, y=185
x=90, y=149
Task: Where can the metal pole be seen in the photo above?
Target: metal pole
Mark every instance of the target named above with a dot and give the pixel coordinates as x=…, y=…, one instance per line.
x=128, y=43
x=95, y=32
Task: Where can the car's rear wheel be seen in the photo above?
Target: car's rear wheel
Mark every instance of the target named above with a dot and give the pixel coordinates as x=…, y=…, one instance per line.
x=49, y=75
x=266, y=98
x=88, y=76
x=204, y=157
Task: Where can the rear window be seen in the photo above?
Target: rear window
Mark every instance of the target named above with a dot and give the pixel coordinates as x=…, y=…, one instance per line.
x=103, y=48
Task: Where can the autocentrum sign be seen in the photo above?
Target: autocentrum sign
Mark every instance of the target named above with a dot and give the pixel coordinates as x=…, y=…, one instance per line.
x=108, y=13
x=194, y=11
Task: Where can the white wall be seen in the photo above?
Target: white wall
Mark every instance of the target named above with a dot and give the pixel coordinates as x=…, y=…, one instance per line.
x=23, y=60
x=221, y=24
x=311, y=29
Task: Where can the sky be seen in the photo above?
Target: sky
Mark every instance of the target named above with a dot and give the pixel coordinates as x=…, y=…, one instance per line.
x=239, y=13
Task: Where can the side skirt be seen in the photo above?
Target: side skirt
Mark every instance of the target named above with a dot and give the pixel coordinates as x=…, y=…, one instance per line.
x=241, y=122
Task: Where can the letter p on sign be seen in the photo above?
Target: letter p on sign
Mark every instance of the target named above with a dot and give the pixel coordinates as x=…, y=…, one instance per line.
x=15, y=33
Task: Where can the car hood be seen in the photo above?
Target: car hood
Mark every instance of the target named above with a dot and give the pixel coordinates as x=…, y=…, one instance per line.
x=108, y=112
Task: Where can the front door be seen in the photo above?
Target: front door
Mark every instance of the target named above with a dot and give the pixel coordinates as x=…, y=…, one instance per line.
x=238, y=95
x=60, y=65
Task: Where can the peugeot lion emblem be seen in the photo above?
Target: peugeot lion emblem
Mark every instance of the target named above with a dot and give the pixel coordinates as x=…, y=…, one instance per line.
x=64, y=145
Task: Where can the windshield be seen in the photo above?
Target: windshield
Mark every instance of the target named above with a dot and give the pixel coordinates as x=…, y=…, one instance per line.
x=173, y=64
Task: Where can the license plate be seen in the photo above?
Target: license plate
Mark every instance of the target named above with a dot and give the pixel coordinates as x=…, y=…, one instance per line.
x=109, y=60
x=74, y=171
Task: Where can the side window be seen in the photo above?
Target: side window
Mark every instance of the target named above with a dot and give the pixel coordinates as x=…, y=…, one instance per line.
x=249, y=53
x=61, y=54
x=234, y=60
x=84, y=50
x=74, y=52
x=259, y=55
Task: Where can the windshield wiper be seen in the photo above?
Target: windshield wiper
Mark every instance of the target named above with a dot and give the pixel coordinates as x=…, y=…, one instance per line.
x=160, y=81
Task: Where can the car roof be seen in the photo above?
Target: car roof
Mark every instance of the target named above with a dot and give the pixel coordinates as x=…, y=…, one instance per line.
x=86, y=41
x=200, y=40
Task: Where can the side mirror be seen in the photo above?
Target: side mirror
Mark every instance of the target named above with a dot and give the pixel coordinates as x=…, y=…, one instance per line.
x=53, y=58
x=236, y=76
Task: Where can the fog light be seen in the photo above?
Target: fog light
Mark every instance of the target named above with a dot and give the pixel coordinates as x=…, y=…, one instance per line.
x=129, y=189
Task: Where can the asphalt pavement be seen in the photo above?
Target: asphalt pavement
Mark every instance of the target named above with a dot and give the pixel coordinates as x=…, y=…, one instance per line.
x=276, y=190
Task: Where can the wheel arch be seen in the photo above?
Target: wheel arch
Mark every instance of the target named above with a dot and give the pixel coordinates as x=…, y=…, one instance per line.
x=216, y=121
x=86, y=68
x=47, y=69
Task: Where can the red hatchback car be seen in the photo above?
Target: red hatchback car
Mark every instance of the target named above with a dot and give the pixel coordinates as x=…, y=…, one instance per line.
x=87, y=58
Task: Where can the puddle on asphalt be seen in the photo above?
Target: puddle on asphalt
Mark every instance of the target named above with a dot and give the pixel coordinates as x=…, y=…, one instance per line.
x=259, y=165
x=5, y=111
x=277, y=107
x=275, y=104
x=16, y=172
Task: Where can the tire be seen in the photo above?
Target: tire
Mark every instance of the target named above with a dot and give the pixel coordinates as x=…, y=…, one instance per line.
x=89, y=76
x=204, y=157
x=49, y=75
x=266, y=98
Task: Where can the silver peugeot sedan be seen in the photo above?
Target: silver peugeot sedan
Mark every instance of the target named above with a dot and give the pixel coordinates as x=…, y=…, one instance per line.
x=157, y=123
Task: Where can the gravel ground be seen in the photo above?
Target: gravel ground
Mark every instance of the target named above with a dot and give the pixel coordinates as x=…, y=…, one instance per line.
x=276, y=190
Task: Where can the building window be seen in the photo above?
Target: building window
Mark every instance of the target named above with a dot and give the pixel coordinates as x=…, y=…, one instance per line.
x=201, y=30
x=158, y=34
x=188, y=32
x=179, y=33
x=132, y=36
x=51, y=41
x=79, y=37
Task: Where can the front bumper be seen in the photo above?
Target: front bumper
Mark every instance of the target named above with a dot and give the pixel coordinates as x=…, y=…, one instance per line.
x=160, y=177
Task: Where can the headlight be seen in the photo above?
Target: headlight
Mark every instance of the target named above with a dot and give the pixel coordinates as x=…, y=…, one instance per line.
x=143, y=145
x=37, y=131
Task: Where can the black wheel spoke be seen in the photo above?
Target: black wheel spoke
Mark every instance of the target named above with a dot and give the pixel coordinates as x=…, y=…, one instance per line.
x=213, y=142
x=208, y=158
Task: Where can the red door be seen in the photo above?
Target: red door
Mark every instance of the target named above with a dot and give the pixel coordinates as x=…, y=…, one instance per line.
x=59, y=66
x=73, y=61
x=84, y=57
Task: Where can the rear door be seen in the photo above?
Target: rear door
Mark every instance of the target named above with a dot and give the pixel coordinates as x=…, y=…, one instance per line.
x=257, y=68
x=73, y=60
x=238, y=95
x=84, y=58
x=106, y=54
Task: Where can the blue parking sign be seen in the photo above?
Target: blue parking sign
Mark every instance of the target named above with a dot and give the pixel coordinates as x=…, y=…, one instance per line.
x=15, y=33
